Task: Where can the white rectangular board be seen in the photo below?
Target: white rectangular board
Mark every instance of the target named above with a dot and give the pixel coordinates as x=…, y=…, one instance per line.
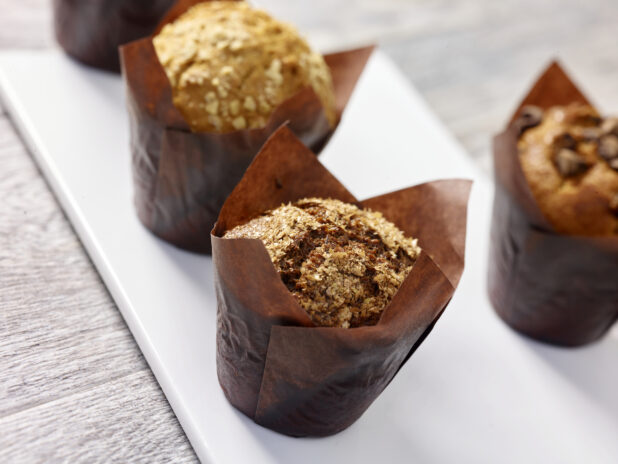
x=475, y=391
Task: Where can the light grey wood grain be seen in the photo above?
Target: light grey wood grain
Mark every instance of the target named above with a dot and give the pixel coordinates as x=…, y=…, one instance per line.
x=109, y=422
x=69, y=364
x=52, y=343
x=74, y=386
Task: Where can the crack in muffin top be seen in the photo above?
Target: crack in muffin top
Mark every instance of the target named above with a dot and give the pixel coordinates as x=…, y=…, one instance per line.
x=230, y=66
x=343, y=264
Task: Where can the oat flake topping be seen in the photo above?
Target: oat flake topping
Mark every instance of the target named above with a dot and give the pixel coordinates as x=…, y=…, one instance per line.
x=230, y=66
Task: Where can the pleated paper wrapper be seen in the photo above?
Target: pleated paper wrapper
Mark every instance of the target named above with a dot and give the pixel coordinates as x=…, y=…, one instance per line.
x=273, y=364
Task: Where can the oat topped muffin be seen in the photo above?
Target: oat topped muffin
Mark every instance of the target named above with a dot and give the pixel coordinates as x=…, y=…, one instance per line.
x=230, y=66
x=341, y=263
x=569, y=155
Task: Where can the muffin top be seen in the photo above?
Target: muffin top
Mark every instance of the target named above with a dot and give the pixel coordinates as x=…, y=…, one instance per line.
x=342, y=264
x=569, y=155
x=230, y=66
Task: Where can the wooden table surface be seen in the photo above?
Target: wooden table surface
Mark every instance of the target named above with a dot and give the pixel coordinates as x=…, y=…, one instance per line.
x=74, y=386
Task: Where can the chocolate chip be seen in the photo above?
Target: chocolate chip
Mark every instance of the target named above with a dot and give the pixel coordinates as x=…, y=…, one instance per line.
x=614, y=164
x=610, y=126
x=608, y=147
x=564, y=141
x=278, y=183
x=530, y=116
x=570, y=163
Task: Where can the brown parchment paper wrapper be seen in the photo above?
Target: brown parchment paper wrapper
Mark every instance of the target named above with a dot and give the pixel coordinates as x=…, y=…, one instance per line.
x=181, y=178
x=555, y=288
x=91, y=30
x=273, y=364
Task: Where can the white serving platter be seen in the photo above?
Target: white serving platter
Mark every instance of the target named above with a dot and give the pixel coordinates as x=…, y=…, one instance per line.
x=474, y=392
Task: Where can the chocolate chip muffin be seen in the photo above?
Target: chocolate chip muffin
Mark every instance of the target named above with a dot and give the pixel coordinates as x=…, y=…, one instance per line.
x=230, y=66
x=342, y=264
x=569, y=156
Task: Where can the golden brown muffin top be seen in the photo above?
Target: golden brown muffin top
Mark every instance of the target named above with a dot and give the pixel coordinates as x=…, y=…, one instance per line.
x=342, y=264
x=569, y=155
x=230, y=66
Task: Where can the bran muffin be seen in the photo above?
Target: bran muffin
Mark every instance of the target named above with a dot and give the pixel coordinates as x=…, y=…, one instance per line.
x=569, y=156
x=230, y=66
x=342, y=264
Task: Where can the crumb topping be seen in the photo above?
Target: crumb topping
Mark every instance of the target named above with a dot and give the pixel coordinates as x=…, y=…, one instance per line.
x=230, y=66
x=569, y=155
x=343, y=264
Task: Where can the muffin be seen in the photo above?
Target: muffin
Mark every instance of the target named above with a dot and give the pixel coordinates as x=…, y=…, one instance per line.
x=91, y=31
x=205, y=92
x=569, y=155
x=230, y=65
x=322, y=299
x=342, y=264
x=554, y=234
